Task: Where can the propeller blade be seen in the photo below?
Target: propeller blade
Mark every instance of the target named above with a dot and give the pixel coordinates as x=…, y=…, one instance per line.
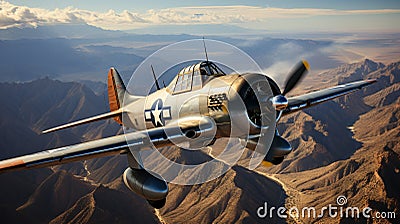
x=294, y=78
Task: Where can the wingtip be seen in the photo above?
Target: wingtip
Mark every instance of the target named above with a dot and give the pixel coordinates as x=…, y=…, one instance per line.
x=10, y=163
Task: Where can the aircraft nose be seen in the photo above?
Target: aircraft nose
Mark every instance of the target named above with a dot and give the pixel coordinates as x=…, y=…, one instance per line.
x=255, y=94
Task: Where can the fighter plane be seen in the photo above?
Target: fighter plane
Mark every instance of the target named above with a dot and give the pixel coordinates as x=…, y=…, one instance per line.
x=196, y=106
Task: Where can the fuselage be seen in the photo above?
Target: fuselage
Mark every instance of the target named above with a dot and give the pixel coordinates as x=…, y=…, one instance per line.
x=224, y=98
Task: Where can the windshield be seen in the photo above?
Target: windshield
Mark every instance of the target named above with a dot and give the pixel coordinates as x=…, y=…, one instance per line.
x=195, y=76
x=211, y=69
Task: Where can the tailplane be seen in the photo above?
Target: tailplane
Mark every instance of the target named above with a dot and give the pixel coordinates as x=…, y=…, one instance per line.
x=117, y=96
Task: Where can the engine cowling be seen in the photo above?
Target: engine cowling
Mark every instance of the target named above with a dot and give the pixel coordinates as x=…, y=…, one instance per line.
x=145, y=184
x=279, y=149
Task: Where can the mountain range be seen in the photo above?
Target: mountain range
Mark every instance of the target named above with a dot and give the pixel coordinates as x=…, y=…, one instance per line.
x=349, y=146
x=82, y=52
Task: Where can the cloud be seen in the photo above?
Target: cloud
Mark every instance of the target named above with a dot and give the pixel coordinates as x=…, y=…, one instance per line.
x=22, y=16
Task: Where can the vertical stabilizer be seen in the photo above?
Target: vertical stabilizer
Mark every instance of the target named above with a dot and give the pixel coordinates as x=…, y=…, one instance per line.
x=116, y=92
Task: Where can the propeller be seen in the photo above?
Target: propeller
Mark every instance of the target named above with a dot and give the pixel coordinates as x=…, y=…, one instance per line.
x=296, y=75
x=280, y=101
x=280, y=146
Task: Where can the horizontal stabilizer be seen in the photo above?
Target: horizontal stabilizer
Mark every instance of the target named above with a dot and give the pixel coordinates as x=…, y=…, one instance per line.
x=111, y=114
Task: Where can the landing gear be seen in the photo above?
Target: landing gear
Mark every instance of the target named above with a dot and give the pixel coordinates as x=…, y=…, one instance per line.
x=157, y=204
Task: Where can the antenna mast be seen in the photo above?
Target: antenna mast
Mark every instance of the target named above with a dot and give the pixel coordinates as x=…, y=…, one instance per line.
x=154, y=76
x=205, y=49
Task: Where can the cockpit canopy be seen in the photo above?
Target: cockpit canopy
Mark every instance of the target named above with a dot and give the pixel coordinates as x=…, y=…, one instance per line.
x=195, y=76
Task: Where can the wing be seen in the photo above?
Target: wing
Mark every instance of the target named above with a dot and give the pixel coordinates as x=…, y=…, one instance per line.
x=158, y=137
x=310, y=99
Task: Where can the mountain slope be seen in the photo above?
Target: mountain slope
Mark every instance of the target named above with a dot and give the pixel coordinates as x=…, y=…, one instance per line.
x=53, y=196
x=370, y=177
x=29, y=108
x=344, y=147
x=105, y=205
x=32, y=107
x=67, y=59
x=233, y=197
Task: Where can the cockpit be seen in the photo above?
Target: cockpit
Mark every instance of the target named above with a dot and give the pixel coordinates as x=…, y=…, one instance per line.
x=194, y=77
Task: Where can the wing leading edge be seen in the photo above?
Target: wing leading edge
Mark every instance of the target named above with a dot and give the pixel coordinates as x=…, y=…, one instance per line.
x=87, y=150
x=157, y=137
x=310, y=99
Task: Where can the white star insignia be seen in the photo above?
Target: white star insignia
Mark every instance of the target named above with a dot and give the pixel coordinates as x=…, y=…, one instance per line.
x=156, y=113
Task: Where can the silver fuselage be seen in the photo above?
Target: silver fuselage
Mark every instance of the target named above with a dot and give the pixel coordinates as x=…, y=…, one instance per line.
x=220, y=98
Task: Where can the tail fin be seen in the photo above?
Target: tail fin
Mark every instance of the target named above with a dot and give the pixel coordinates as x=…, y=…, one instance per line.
x=116, y=92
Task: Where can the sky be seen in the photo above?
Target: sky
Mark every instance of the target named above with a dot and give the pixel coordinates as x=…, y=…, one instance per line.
x=275, y=15
x=139, y=5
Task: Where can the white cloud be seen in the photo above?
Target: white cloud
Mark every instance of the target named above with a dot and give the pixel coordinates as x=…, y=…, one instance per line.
x=22, y=16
